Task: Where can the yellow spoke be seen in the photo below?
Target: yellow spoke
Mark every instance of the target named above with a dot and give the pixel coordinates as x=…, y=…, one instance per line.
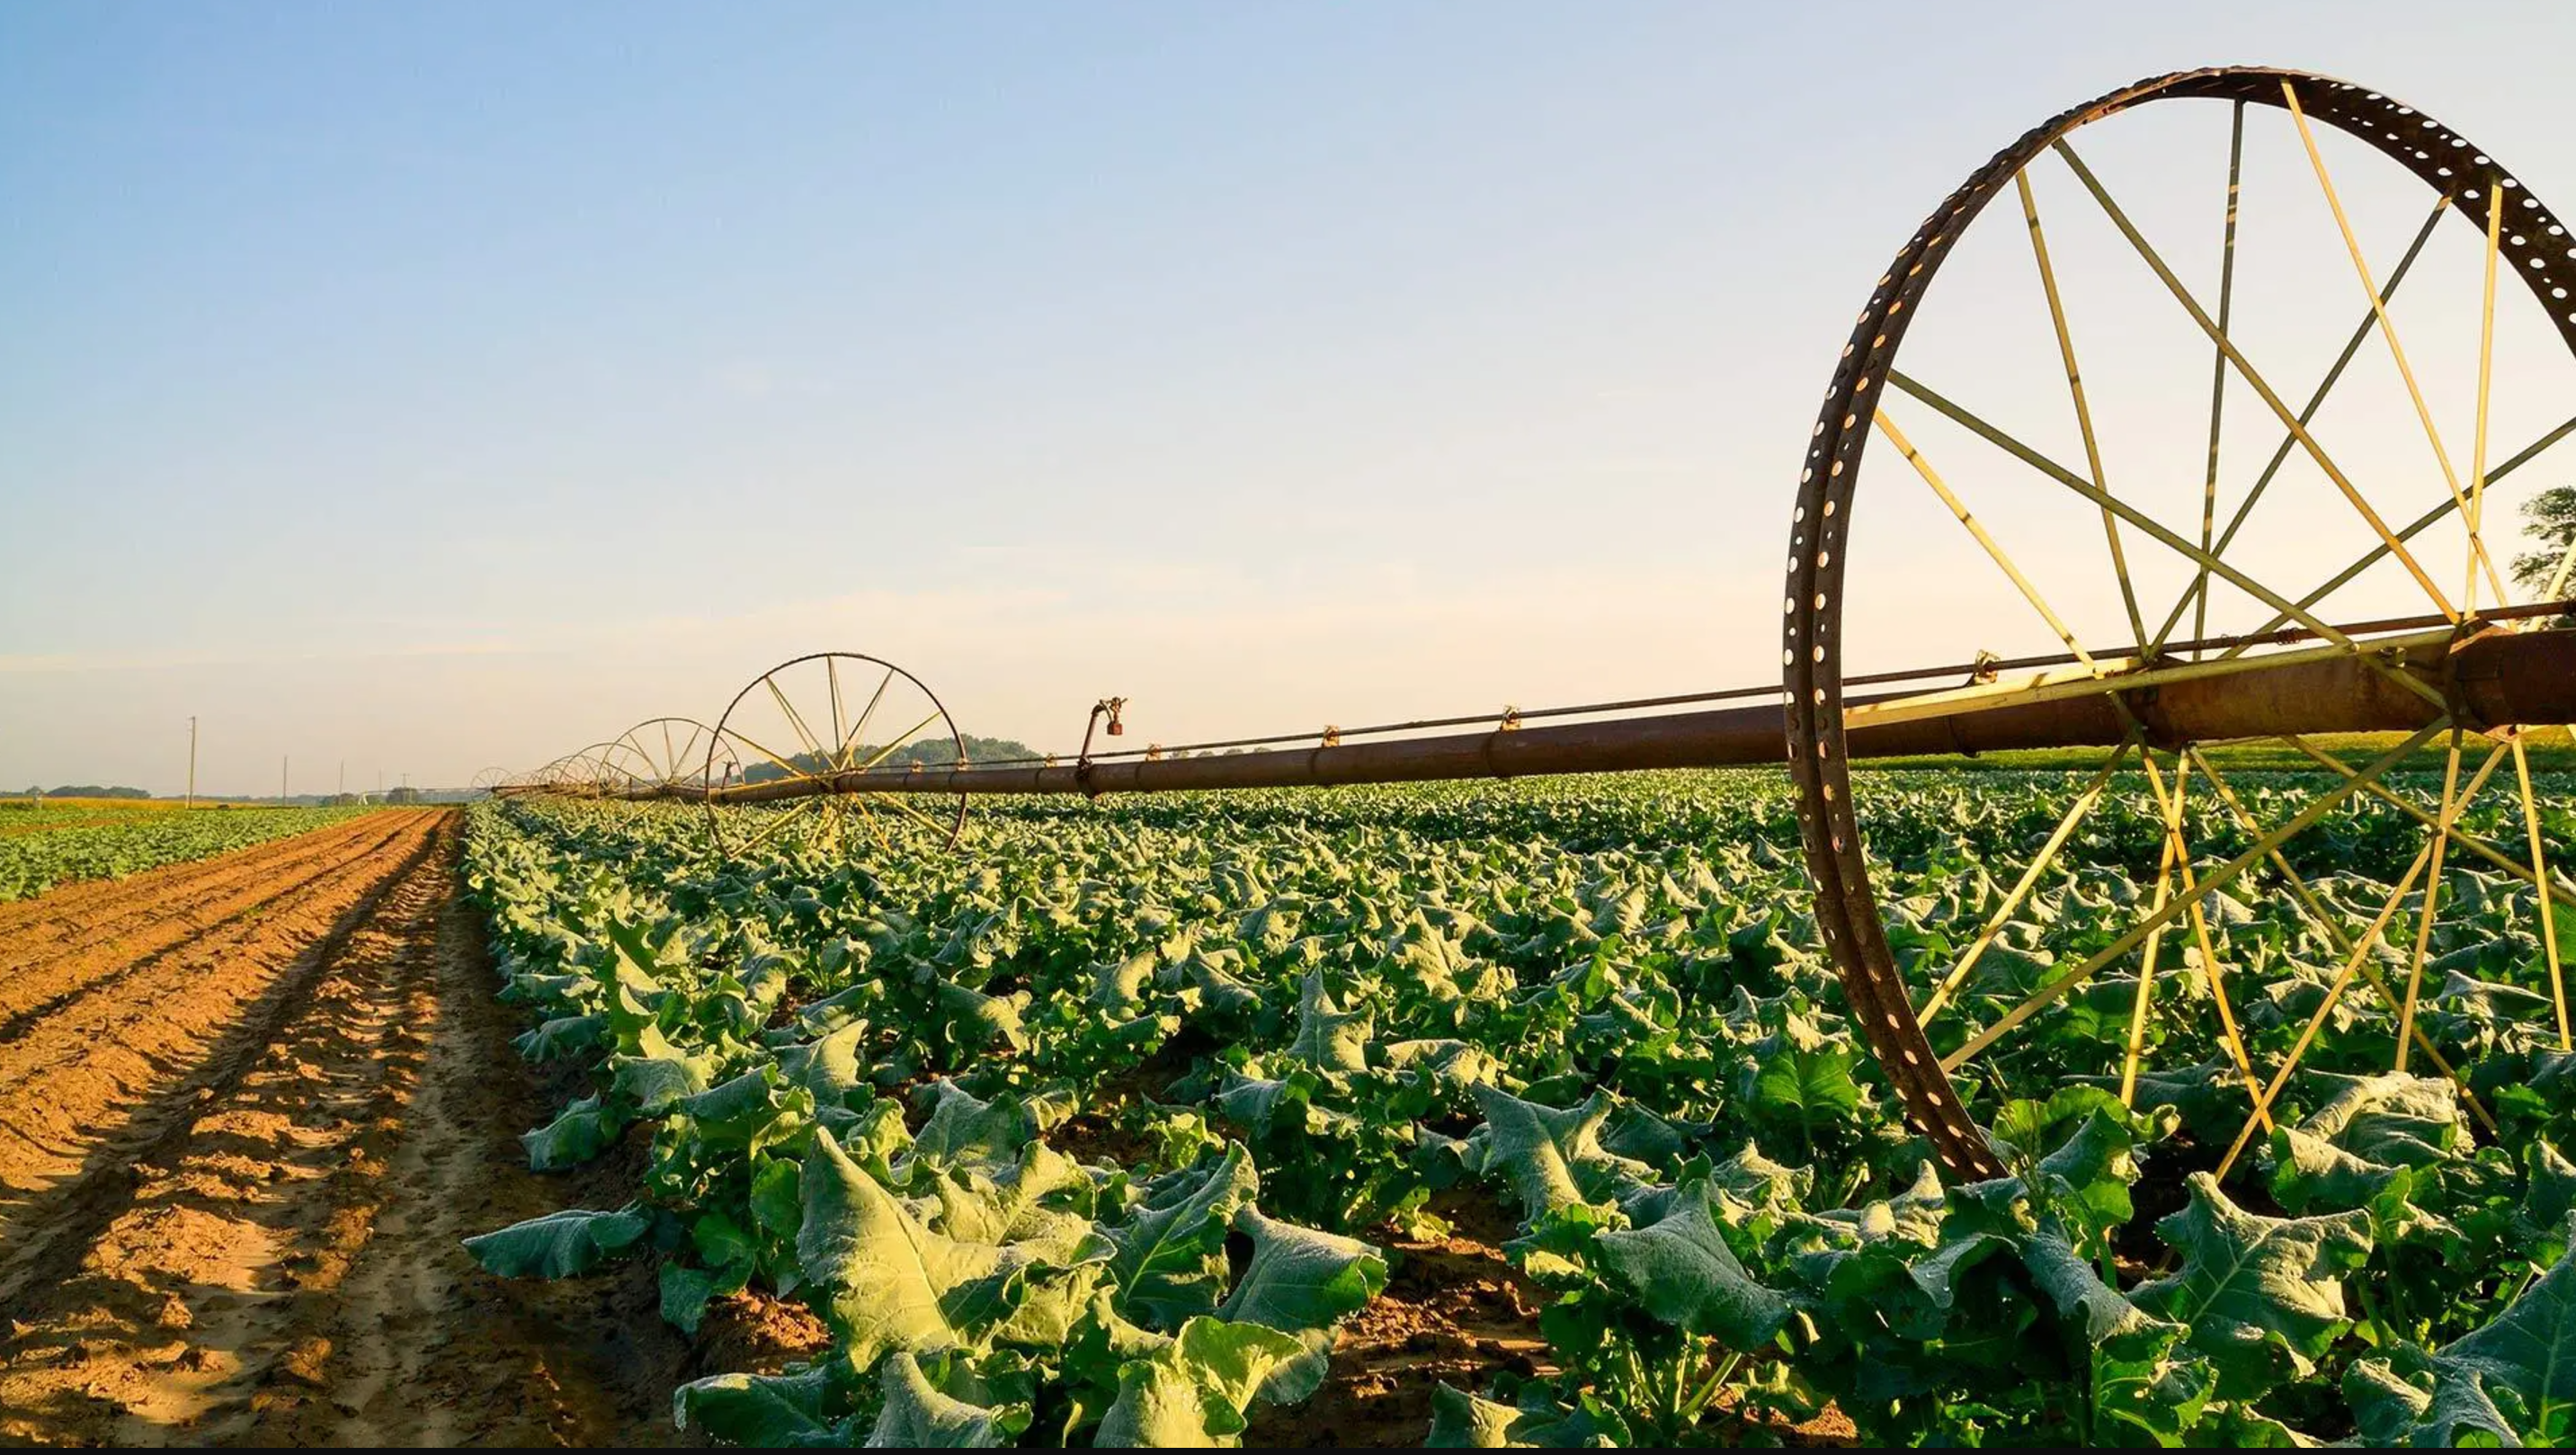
x=2199, y=593
x=778, y=819
x=2465, y=840
x=2227, y=874
x=2325, y=1008
x=832, y=675
x=2030, y=593
x=2063, y=476
x=2075, y=815
x=738, y=735
x=2556, y=590
x=2540, y=875
x=895, y=800
x=2200, y=921
x=2422, y=523
x=2281, y=453
x=899, y=742
x=2486, y=376
x=2246, y=371
x=2425, y=522
x=2388, y=331
x=2147, y=957
x=884, y=845
x=2432, y=901
x=858, y=729
x=794, y=722
x=2083, y=411
x=2324, y=920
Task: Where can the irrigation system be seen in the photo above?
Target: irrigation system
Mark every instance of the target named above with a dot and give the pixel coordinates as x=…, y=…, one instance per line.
x=2484, y=651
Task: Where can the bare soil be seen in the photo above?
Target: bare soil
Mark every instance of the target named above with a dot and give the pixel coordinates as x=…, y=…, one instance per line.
x=240, y=1154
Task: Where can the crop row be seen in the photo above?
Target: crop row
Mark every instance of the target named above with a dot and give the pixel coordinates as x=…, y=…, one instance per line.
x=1094, y=1129
x=31, y=864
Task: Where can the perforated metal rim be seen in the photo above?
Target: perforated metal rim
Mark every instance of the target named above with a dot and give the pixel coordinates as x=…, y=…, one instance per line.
x=2543, y=256
x=715, y=820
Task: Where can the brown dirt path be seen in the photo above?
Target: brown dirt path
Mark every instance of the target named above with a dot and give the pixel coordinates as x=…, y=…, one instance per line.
x=278, y=1260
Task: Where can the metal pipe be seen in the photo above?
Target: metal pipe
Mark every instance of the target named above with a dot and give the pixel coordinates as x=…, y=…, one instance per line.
x=2498, y=679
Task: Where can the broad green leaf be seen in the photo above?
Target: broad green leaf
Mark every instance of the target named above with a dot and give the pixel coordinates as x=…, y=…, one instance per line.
x=562, y=1037
x=1245, y=1361
x=1327, y=1038
x=1160, y=1407
x=583, y=1131
x=806, y=1408
x=1300, y=1278
x=1462, y=1421
x=964, y=1128
x=1685, y=1275
x=982, y=1205
x=2263, y=1296
x=976, y=1022
x=1550, y=1157
x=916, y=1416
x=1170, y=1258
x=2411, y=1398
x=1801, y=1089
x=654, y=1083
x=2530, y=1350
x=892, y=1283
x=687, y=1291
x=1193, y=1390
x=829, y=1067
x=560, y=1244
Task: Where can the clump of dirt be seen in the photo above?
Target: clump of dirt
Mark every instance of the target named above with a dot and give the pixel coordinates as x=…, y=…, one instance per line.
x=1454, y=1312
x=756, y=1332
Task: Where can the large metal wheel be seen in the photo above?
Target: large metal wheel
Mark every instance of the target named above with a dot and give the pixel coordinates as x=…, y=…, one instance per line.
x=812, y=720
x=2167, y=514
x=668, y=756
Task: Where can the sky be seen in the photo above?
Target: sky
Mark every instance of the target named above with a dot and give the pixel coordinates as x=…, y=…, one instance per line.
x=412, y=389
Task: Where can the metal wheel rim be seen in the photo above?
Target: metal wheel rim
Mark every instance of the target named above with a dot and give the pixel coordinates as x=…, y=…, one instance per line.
x=730, y=843
x=1847, y=908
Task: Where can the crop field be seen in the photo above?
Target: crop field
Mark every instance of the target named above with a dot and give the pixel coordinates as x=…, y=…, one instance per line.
x=1523, y=1115
x=42, y=848
x=2111, y=983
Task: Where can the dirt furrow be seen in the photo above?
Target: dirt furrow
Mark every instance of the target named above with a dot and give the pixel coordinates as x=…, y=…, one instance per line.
x=34, y=984
x=282, y=1264
x=67, y=908
x=174, y=898
x=112, y=1070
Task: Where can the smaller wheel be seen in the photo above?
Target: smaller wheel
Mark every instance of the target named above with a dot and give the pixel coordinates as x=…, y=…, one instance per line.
x=591, y=773
x=668, y=755
x=816, y=718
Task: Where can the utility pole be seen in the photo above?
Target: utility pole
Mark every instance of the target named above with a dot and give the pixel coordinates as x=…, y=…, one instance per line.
x=281, y=780
x=344, y=778
x=192, y=760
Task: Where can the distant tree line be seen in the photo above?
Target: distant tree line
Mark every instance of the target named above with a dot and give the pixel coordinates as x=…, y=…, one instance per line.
x=86, y=790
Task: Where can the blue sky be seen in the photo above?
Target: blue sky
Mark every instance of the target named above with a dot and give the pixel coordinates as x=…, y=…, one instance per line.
x=429, y=387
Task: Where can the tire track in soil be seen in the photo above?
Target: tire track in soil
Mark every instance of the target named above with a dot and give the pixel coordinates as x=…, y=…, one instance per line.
x=285, y=1267
x=83, y=1090
x=38, y=980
